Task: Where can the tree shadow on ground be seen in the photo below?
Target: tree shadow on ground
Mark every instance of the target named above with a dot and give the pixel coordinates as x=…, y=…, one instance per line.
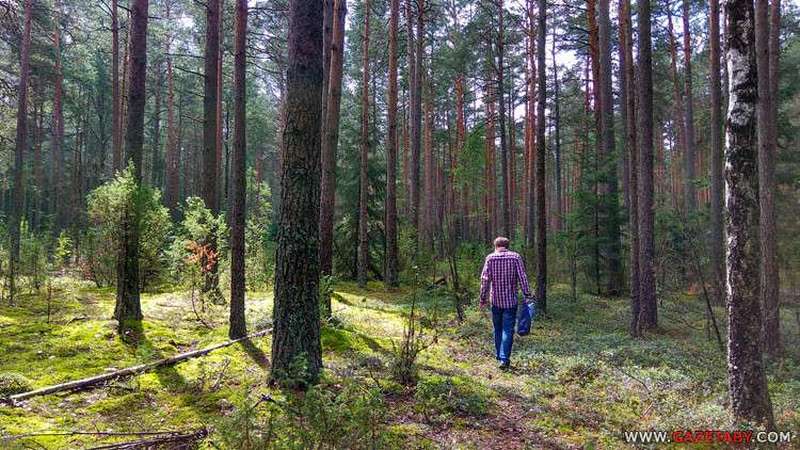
x=258, y=355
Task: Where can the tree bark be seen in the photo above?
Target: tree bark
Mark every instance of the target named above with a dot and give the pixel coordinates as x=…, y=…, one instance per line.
x=679, y=118
x=172, y=159
x=647, y=287
x=296, y=312
x=770, y=288
x=21, y=144
x=717, y=204
x=689, y=156
x=331, y=138
x=559, y=216
x=747, y=381
x=391, y=268
x=363, y=210
x=770, y=294
x=238, y=200
x=58, y=126
x=541, y=226
x=609, y=207
x=130, y=309
x=210, y=80
x=116, y=100
x=505, y=216
x=628, y=109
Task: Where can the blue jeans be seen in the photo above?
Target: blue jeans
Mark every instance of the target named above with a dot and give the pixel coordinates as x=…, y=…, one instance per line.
x=504, y=320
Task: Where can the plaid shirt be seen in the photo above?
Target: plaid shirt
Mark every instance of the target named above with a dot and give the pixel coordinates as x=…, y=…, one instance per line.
x=502, y=272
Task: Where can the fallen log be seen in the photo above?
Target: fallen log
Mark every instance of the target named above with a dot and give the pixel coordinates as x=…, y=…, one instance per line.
x=85, y=383
x=176, y=441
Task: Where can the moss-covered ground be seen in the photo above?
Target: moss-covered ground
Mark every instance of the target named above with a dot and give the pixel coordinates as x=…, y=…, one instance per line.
x=577, y=381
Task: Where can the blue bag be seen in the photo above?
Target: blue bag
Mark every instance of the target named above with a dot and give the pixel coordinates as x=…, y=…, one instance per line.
x=526, y=312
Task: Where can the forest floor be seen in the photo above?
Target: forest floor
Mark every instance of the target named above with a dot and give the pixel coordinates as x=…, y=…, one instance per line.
x=577, y=381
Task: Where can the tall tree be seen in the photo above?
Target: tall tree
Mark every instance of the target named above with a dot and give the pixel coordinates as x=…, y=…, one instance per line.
x=58, y=123
x=541, y=226
x=21, y=144
x=414, y=52
x=296, y=334
x=391, y=268
x=648, y=317
x=238, y=325
x=363, y=211
x=116, y=98
x=505, y=215
x=628, y=110
x=210, y=80
x=689, y=155
x=172, y=156
x=128, y=285
x=747, y=380
x=330, y=141
x=717, y=204
x=770, y=273
x=609, y=206
x=770, y=293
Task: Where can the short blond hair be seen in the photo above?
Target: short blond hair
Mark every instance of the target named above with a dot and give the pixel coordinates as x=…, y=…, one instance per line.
x=501, y=241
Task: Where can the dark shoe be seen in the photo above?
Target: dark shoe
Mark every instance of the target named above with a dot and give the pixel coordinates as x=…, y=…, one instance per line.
x=505, y=365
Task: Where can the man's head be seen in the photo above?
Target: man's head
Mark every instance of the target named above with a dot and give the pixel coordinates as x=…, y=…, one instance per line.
x=501, y=242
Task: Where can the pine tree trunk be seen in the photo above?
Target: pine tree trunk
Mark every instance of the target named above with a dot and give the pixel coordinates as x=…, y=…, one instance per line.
x=414, y=54
x=210, y=105
x=717, y=204
x=647, y=283
x=330, y=140
x=770, y=294
x=58, y=128
x=490, y=195
x=116, y=100
x=679, y=116
x=628, y=109
x=363, y=210
x=128, y=283
x=296, y=312
x=747, y=381
x=770, y=289
x=541, y=226
x=21, y=144
x=559, y=209
x=609, y=199
x=690, y=155
x=238, y=201
x=505, y=207
x=172, y=172
x=391, y=268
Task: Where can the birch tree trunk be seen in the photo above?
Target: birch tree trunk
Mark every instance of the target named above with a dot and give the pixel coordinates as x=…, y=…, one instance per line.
x=747, y=381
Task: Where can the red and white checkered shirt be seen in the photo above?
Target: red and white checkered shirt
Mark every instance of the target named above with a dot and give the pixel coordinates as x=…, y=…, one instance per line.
x=502, y=273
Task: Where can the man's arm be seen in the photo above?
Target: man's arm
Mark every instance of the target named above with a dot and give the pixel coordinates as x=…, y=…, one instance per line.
x=523, y=278
x=486, y=281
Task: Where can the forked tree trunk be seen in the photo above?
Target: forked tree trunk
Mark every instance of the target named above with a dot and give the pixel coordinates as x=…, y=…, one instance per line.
x=330, y=140
x=238, y=201
x=130, y=310
x=747, y=381
x=296, y=333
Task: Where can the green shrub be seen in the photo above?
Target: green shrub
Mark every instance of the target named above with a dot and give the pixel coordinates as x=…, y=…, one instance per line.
x=329, y=416
x=259, y=248
x=108, y=206
x=443, y=396
x=13, y=383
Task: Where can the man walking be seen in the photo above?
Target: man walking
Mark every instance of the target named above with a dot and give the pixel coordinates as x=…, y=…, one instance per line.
x=503, y=272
